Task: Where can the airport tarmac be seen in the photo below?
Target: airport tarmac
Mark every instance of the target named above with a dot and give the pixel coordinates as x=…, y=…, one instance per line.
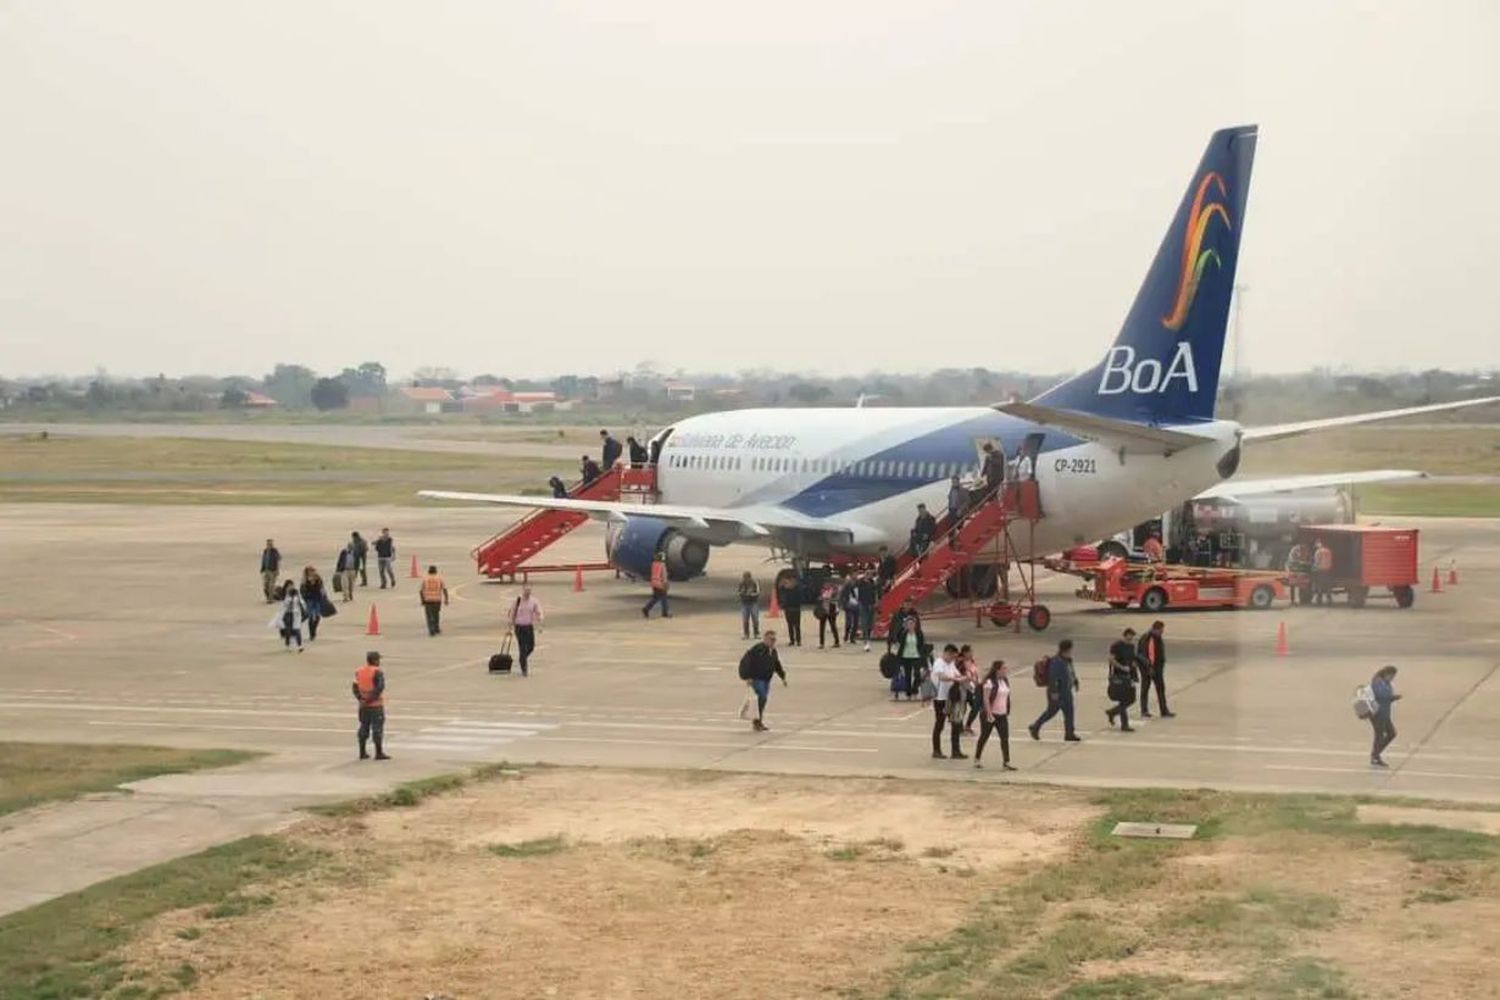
x=146, y=625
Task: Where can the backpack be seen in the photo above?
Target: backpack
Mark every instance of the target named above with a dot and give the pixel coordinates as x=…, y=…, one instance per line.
x=1364, y=702
x=1039, y=671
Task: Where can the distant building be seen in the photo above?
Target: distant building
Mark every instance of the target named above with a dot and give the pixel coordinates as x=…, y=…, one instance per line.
x=431, y=400
x=680, y=392
x=481, y=400
x=258, y=400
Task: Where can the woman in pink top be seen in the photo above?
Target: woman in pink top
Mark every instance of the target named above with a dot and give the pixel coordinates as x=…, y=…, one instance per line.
x=994, y=703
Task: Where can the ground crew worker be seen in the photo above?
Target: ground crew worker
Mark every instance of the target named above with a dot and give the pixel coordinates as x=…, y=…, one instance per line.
x=270, y=568
x=434, y=595
x=659, y=585
x=1298, y=566
x=385, y=557
x=1322, y=574
x=1155, y=554
x=369, y=691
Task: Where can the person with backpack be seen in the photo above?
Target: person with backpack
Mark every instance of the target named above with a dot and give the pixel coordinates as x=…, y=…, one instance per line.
x=1120, y=676
x=904, y=638
x=1061, y=681
x=827, y=611
x=1384, y=695
x=749, y=593
x=994, y=704
x=947, y=703
x=759, y=664
x=525, y=619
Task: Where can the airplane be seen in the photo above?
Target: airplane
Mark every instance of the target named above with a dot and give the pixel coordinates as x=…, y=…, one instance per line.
x=1113, y=446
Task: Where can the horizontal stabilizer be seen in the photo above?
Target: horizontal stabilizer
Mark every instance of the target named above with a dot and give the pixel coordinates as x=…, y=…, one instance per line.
x=1127, y=434
x=1238, y=489
x=1303, y=427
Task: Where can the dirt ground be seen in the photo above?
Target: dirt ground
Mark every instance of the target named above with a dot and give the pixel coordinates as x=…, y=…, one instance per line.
x=609, y=884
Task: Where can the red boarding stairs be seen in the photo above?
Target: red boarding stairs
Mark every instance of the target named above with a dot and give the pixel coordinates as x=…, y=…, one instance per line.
x=987, y=532
x=508, y=553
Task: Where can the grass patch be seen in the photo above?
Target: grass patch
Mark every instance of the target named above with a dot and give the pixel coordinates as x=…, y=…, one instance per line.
x=33, y=773
x=1431, y=499
x=1457, y=450
x=540, y=847
x=404, y=796
x=63, y=948
x=849, y=852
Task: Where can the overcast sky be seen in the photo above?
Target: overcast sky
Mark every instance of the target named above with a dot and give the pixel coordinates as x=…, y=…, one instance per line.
x=541, y=186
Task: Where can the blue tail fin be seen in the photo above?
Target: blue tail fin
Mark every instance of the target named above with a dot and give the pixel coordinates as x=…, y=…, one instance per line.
x=1164, y=365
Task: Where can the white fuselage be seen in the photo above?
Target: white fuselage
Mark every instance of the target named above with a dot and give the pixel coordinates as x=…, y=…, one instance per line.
x=864, y=470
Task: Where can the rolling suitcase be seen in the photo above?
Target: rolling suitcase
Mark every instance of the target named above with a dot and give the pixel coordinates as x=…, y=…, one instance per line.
x=501, y=662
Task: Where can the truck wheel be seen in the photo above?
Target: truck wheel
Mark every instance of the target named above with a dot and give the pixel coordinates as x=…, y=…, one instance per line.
x=1039, y=618
x=1154, y=600
x=1357, y=596
x=1405, y=596
x=1112, y=550
x=1262, y=597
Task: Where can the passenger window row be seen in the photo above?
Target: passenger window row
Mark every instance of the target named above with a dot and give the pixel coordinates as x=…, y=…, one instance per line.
x=821, y=466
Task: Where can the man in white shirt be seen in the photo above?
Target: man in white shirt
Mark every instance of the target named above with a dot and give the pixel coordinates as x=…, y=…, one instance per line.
x=945, y=673
x=525, y=619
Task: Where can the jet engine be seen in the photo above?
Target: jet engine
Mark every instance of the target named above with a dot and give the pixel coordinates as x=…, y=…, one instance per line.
x=632, y=544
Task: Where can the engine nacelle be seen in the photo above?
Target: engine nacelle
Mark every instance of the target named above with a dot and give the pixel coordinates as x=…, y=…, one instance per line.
x=631, y=546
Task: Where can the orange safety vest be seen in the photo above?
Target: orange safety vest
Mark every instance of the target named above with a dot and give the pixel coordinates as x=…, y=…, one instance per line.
x=432, y=589
x=1323, y=559
x=658, y=576
x=364, y=680
x=1153, y=550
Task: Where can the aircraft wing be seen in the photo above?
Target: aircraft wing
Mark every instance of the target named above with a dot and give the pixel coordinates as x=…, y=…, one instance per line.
x=1106, y=430
x=749, y=522
x=1235, y=489
x=1276, y=431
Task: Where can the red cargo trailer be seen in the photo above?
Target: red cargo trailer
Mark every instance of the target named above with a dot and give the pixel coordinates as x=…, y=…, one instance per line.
x=1365, y=557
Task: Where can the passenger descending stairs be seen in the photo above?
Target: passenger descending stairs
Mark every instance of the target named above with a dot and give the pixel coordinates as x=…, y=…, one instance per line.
x=983, y=532
x=508, y=553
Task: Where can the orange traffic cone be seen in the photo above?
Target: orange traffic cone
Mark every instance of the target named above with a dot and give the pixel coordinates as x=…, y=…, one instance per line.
x=374, y=627
x=1437, y=582
x=1453, y=574
x=1282, y=649
x=775, y=611
x=578, y=579
x=415, y=573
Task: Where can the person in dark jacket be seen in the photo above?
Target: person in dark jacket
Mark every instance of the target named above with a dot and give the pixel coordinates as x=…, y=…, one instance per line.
x=1062, y=682
x=885, y=571
x=315, y=598
x=1151, y=660
x=637, y=452
x=558, y=487
x=385, y=558
x=270, y=568
x=1385, y=730
x=609, y=451
x=865, y=594
x=749, y=594
x=789, y=596
x=759, y=664
x=1121, y=676
x=904, y=638
x=361, y=550
x=922, y=531
x=588, y=470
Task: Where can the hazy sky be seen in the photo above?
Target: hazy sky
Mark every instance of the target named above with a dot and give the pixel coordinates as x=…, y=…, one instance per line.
x=539, y=186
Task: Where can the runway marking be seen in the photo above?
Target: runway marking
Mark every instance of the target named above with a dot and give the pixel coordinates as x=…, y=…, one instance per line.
x=216, y=727
x=1377, y=772
x=701, y=745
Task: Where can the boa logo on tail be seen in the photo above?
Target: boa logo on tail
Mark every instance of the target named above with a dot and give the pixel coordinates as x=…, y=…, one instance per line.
x=1194, y=258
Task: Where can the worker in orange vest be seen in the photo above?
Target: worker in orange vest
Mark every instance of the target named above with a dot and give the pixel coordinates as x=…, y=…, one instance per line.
x=1322, y=576
x=369, y=691
x=434, y=595
x=658, y=587
x=1153, y=549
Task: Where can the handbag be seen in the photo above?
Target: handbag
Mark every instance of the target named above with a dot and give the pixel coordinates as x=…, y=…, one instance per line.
x=1120, y=687
x=928, y=690
x=747, y=707
x=890, y=665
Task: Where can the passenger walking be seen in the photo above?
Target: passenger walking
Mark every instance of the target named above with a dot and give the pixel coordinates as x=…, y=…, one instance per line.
x=759, y=664
x=749, y=594
x=1322, y=574
x=827, y=612
x=609, y=451
x=315, y=601
x=789, y=596
x=588, y=470
x=994, y=707
x=865, y=594
x=637, y=453
x=290, y=616
x=922, y=531
x=970, y=668
x=525, y=618
x=270, y=569
x=385, y=557
x=1120, y=684
x=946, y=675
x=958, y=500
x=1151, y=661
x=343, y=572
x=433, y=595
x=1382, y=687
x=369, y=692
x=559, y=488
x=886, y=570
x=659, y=585
x=361, y=557
x=1062, y=682
x=993, y=468
x=849, y=601
x=904, y=638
